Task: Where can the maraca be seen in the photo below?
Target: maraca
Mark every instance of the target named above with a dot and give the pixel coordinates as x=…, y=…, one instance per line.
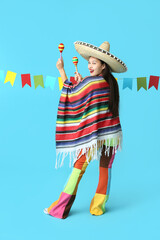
x=75, y=62
x=61, y=48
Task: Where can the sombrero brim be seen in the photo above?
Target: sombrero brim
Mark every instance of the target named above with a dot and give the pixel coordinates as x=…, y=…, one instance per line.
x=87, y=50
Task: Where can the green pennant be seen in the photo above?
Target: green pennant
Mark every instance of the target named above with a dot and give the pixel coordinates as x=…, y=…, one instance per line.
x=38, y=80
x=142, y=82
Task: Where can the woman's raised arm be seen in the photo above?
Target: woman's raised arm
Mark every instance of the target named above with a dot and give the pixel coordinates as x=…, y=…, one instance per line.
x=60, y=67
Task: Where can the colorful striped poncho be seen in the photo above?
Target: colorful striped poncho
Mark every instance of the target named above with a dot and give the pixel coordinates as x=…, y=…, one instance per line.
x=84, y=120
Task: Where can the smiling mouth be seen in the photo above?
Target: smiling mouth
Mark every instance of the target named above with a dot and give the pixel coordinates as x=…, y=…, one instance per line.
x=91, y=71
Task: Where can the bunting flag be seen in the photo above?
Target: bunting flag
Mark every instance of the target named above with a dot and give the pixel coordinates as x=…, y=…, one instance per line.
x=26, y=79
x=127, y=82
x=38, y=81
x=1, y=75
x=10, y=77
x=60, y=83
x=50, y=82
x=72, y=79
x=153, y=81
x=142, y=82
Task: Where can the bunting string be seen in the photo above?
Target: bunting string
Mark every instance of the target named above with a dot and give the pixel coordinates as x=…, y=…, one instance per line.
x=51, y=80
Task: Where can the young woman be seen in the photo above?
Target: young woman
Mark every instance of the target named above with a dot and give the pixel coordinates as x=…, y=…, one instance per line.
x=88, y=125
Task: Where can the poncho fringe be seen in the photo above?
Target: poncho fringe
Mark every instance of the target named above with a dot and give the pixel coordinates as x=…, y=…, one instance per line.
x=94, y=153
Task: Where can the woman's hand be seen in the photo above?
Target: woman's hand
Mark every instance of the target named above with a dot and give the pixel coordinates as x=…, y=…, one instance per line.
x=60, y=64
x=77, y=77
x=60, y=67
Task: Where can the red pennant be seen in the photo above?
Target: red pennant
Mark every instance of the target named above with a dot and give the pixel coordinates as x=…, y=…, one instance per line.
x=153, y=81
x=72, y=79
x=26, y=79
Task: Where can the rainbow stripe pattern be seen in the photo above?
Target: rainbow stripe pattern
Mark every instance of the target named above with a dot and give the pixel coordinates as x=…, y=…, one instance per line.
x=84, y=120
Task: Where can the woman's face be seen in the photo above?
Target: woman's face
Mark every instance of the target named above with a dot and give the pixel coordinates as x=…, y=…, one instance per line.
x=95, y=66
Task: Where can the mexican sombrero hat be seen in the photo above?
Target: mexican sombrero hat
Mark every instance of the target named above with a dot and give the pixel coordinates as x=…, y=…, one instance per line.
x=87, y=50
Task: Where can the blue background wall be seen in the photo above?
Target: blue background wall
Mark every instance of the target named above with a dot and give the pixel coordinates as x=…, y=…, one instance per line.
x=30, y=34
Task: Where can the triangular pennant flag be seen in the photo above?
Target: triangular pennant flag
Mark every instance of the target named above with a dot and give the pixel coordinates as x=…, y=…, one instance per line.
x=72, y=80
x=153, y=81
x=141, y=82
x=10, y=77
x=38, y=80
x=1, y=75
x=127, y=82
x=60, y=83
x=50, y=82
x=26, y=79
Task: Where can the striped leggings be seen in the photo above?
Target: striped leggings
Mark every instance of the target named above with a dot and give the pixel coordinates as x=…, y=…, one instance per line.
x=61, y=207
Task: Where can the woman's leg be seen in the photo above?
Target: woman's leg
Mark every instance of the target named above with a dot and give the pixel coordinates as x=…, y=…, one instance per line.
x=62, y=206
x=97, y=206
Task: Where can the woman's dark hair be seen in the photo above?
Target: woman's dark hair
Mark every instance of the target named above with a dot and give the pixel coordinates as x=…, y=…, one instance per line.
x=114, y=90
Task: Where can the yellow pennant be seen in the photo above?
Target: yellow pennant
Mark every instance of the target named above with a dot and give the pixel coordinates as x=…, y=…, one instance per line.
x=60, y=83
x=10, y=77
